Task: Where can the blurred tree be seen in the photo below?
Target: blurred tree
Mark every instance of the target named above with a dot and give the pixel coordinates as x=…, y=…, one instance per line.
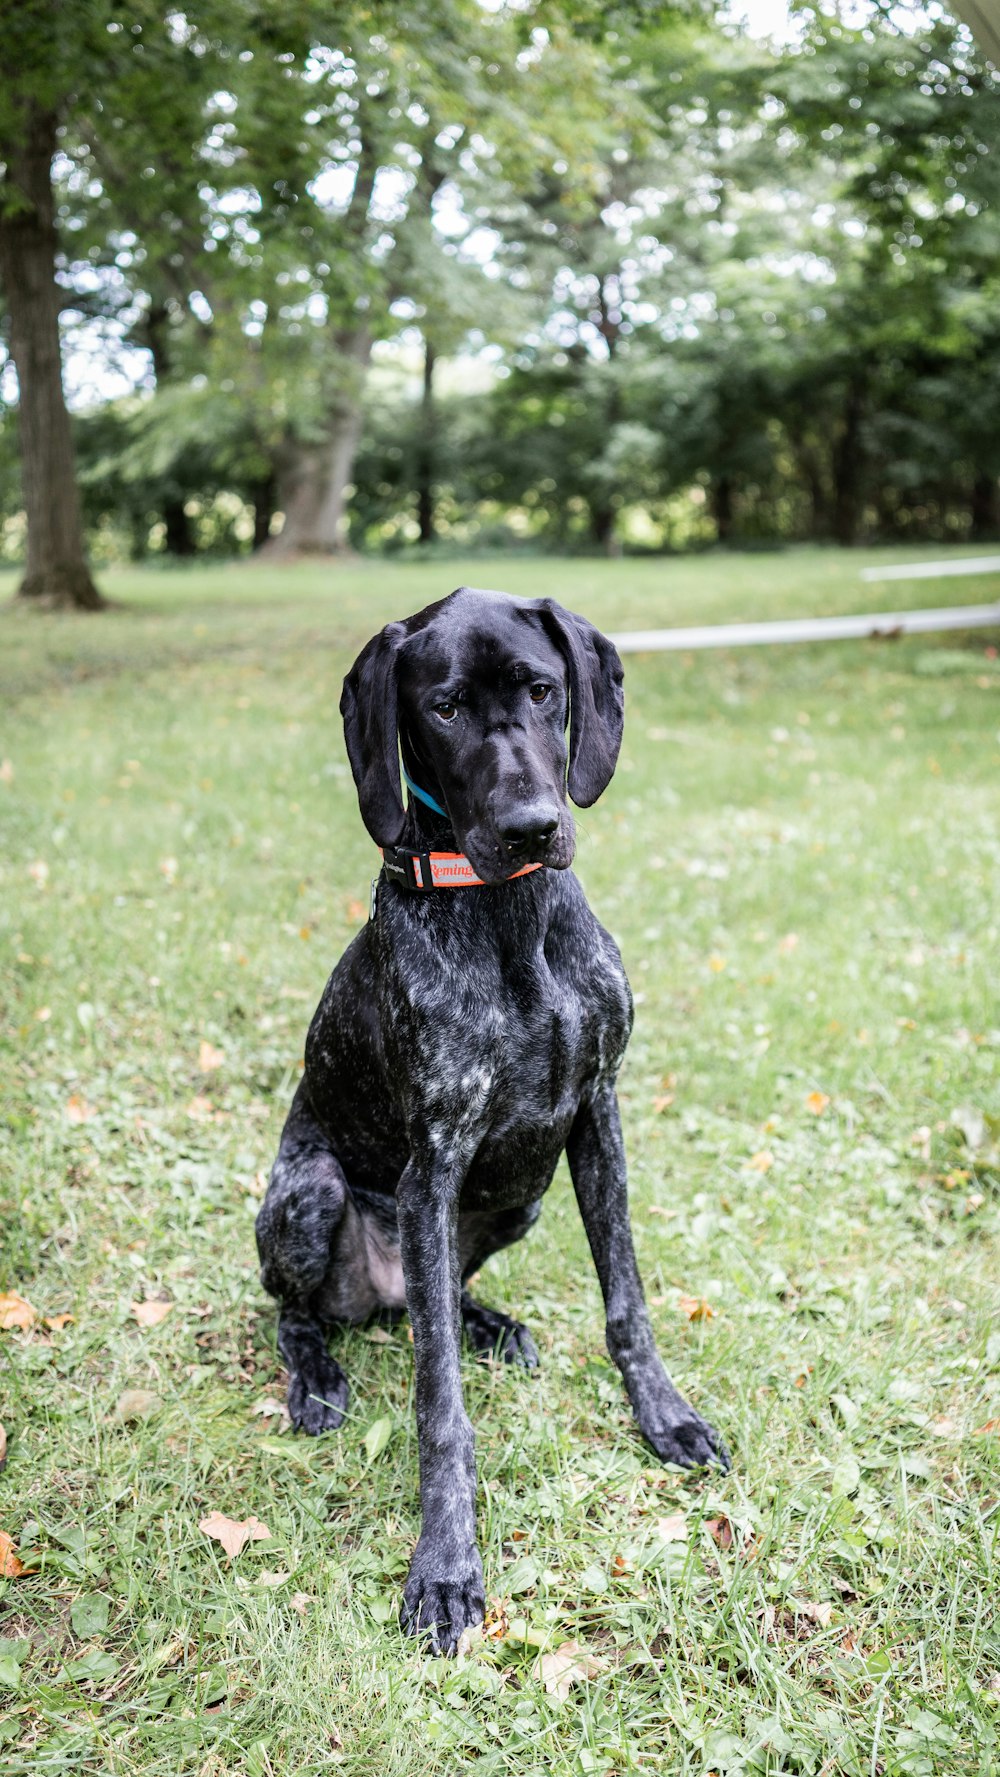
x=42, y=44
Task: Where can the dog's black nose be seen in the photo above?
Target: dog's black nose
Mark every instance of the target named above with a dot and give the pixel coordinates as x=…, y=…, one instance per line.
x=531, y=828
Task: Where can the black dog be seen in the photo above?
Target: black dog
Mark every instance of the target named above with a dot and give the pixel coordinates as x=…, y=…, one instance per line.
x=466, y=1037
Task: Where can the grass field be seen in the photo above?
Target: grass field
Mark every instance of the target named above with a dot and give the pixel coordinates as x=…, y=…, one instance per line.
x=800, y=856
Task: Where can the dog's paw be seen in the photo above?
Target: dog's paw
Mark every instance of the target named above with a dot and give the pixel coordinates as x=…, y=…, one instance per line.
x=318, y=1403
x=439, y=1610
x=492, y=1334
x=689, y=1441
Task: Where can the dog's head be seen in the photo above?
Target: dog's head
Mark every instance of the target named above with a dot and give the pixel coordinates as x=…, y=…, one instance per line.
x=478, y=690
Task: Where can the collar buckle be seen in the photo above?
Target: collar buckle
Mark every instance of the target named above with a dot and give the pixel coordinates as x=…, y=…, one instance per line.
x=410, y=868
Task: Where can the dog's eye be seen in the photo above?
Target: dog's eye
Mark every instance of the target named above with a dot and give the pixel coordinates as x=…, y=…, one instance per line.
x=446, y=711
x=539, y=692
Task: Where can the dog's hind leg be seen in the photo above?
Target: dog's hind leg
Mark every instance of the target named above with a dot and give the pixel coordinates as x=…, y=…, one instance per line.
x=489, y=1332
x=300, y=1238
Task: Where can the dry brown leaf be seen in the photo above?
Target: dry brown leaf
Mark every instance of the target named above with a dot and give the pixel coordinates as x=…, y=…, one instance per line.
x=200, y=1108
x=496, y=1622
x=991, y=1426
x=672, y=1529
x=761, y=1162
x=232, y=1533
x=566, y=1666
x=150, y=1314
x=209, y=1058
x=11, y=1567
x=299, y=1602
x=15, y=1312
x=721, y=1532
x=78, y=1110
x=662, y=1102
x=58, y=1321
x=696, y=1308
x=819, y=1614
x=817, y=1103
x=621, y=1565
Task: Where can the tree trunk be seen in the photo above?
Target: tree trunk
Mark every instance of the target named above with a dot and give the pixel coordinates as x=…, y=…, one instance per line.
x=848, y=470
x=722, y=507
x=179, y=538
x=313, y=478
x=983, y=508
x=425, y=461
x=264, y=496
x=56, y=570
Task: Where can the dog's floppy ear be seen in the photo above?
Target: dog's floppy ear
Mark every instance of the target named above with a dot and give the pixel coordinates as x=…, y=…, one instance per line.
x=369, y=709
x=596, y=701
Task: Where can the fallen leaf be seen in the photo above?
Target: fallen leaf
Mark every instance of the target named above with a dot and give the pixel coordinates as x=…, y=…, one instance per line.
x=377, y=1336
x=621, y=1565
x=273, y=1577
x=496, y=1623
x=721, y=1532
x=58, y=1321
x=566, y=1666
x=819, y=1614
x=200, y=1108
x=10, y=1566
x=299, y=1602
x=138, y=1403
x=78, y=1110
x=269, y=1408
x=696, y=1308
x=15, y=1312
x=663, y=1102
x=672, y=1529
x=232, y=1533
x=944, y=1427
x=991, y=1426
x=761, y=1162
x=209, y=1058
x=817, y=1103
x=150, y=1314
x=667, y=1214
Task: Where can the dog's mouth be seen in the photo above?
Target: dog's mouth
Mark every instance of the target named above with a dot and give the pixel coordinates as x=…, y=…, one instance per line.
x=497, y=863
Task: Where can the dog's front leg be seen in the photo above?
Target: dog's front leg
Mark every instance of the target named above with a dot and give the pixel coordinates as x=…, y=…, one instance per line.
x=597, y=1163
x=444, y=1590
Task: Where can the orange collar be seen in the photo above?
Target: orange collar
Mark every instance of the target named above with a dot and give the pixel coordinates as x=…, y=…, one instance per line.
x=424, y=870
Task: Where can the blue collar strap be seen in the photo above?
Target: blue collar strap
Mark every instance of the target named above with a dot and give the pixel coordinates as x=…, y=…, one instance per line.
x=422, y=795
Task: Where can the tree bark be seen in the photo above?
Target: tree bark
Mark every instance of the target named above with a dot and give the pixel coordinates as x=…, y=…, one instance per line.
x=426, y=453
x=848, y=470
x=264, y=496
x=56, y=571
x=313, y=477
x=983, y=508
x=722, y=507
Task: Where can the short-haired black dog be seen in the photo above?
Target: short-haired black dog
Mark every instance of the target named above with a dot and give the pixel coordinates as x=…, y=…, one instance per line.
x=470, y=1033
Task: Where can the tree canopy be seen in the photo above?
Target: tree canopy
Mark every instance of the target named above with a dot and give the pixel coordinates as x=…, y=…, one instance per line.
x=598, y=276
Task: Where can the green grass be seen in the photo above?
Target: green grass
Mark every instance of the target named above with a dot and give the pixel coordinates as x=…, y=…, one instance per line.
x=800, y=857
